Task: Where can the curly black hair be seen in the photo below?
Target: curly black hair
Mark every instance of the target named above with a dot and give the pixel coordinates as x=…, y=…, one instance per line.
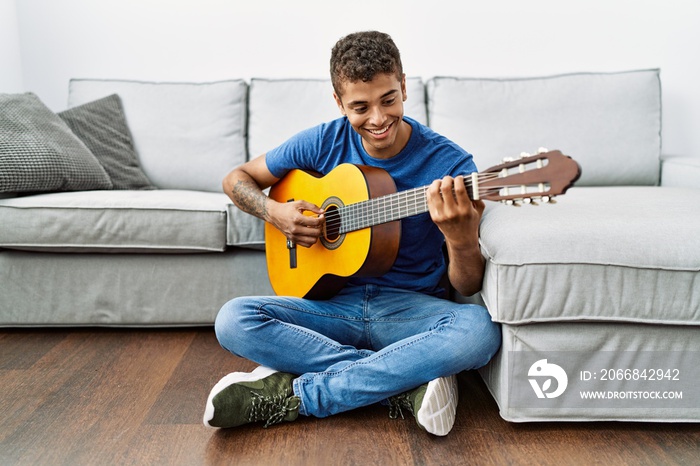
x=361, y=56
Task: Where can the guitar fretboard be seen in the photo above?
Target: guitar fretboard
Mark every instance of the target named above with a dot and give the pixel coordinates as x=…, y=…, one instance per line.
x=381, y=210
x=534, y=178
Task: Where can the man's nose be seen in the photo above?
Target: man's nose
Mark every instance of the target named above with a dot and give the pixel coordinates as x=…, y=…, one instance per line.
x=377, y=116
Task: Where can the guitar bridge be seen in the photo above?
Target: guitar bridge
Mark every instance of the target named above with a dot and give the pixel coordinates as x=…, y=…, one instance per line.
x=292, y=247
x=292, y=254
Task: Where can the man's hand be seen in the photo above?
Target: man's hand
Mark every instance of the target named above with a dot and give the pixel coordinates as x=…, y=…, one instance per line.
x=293, y=220
x=454, y=212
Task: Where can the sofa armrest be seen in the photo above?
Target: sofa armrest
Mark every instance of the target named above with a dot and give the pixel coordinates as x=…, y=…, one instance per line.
x=680, y=171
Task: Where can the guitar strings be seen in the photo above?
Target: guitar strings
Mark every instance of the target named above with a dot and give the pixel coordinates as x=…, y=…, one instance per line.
x=368, y=213
x=373, y=211
x=402, y=204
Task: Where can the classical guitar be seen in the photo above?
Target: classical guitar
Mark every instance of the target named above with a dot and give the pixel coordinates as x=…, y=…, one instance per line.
x=363, y=209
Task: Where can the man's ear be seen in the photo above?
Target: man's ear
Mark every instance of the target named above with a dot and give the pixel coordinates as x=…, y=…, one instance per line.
x=403, y=87
x=339, y=103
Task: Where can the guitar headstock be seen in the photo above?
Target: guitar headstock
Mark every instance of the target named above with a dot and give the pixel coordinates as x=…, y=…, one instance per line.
x=529, y=178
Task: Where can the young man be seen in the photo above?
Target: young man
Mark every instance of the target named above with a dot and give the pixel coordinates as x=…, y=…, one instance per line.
x=389, y=339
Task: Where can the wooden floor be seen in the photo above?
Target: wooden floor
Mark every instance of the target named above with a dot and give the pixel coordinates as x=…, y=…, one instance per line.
x=93, y=397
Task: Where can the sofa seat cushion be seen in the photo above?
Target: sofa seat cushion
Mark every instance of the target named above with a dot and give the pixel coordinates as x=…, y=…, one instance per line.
x=609, y=254
x=116, y=221
x=244, y=230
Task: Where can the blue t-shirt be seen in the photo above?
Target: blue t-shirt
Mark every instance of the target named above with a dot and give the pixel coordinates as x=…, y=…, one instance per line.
x=427, y=157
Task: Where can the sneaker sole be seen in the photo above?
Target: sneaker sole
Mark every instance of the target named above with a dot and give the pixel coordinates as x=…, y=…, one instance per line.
x=439, y=407
x=260, y=372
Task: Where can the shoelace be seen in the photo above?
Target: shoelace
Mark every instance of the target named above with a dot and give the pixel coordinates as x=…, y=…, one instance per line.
x=271, y=409
x=396, y=405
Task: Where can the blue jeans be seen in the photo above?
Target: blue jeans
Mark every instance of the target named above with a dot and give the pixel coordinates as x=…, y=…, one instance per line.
x=360, y=347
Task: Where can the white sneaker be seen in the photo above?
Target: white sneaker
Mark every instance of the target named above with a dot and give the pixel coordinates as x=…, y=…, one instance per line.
x=434, y=405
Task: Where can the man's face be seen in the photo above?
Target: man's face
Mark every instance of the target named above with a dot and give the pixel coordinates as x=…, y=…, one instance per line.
x=375, y=111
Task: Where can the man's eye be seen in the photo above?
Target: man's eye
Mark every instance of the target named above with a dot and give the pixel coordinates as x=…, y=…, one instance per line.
x=389, y=102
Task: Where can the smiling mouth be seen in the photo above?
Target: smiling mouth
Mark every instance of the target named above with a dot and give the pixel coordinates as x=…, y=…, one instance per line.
x=379, y=132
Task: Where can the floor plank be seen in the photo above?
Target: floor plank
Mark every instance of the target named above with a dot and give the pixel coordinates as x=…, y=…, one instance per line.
x=101, y=396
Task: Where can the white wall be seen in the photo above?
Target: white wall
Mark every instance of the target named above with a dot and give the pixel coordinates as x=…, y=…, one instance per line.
x=11, y=65
x=200, y=40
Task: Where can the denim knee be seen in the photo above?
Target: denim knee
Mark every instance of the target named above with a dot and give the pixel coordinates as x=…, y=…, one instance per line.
x=491, y=334
x=229, y=325
x=484, y=336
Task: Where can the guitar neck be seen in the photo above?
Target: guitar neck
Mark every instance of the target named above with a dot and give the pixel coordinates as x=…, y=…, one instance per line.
x=525, y=179
x=383, y=209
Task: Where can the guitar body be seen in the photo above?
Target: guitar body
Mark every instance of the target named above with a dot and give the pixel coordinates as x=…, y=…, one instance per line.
x=320, y=271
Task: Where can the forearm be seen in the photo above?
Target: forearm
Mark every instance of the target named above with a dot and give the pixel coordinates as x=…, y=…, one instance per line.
x=246, y=194
x=466, y=269
x=249, y=198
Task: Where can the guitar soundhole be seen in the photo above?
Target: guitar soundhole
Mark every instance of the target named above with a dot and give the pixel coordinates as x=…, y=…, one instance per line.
x=332, y=227
x=332, y=238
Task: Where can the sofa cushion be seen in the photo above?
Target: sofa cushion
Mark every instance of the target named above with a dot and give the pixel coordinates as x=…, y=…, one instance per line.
x=244, y=230
x=609, y=122
x=187, y=135
x=609, y=253
x=116, y=221
x=101, y=125
x=280, y=108
x=38, y=152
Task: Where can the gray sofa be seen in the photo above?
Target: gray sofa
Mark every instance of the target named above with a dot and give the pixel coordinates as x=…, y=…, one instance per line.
x=608, y=278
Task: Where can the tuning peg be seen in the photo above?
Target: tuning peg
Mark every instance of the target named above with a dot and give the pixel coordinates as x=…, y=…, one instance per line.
x=524, y=154
x=542, y=150
x=529, y=200
x=508, y=159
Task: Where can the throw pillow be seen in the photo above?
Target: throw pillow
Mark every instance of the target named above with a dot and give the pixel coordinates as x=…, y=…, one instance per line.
x=102, y=126
x=38, y=152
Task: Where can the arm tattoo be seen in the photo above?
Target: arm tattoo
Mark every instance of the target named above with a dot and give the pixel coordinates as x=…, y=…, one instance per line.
x=249, y=198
